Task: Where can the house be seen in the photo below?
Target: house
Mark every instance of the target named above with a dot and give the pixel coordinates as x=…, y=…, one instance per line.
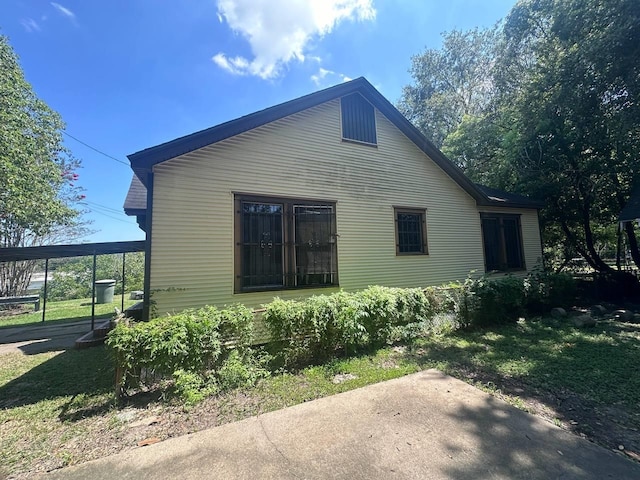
x=631, y=210
x=332, y=190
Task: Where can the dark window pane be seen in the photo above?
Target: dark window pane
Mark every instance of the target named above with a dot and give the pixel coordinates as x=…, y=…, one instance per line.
x=410, y=233
x=512, y=243
x=491, y=233
x=502, y=242
x=358, y=119
x=262, y=249
x=315, y=247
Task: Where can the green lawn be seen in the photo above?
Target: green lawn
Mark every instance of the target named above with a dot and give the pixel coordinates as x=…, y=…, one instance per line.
x=56, y=409
x=65, y=310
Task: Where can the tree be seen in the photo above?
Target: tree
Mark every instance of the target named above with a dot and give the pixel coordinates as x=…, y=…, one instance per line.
x=558, y=115
x=37, y=187
x=74, y=277
x=450, y=83
x=569, y=71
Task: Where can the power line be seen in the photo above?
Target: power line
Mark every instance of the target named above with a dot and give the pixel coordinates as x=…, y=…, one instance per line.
x=119, y=212
x=95, y=149
x=113, y=218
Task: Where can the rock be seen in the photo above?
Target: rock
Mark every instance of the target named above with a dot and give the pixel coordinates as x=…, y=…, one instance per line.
x=636, y=318
x=623, y=315
x=126, y=415
x=145, y=422
x=558, y=312
x=343, y=377
x=583, y=321
x=598, y=311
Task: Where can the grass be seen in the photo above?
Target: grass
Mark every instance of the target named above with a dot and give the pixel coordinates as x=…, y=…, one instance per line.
x=548, y=355
x=56, y=408
x=48, y=399
x=77, y=309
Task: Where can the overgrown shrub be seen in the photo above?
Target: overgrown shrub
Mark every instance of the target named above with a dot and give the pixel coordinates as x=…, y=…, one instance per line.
x=545, y=290
x=317, y=327
x=192, y=347
x=486, y=301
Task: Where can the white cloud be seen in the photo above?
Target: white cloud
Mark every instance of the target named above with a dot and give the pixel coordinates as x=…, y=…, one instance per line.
x=279, y=31
x=30, y=25
x=323, y=74
x=64, y=11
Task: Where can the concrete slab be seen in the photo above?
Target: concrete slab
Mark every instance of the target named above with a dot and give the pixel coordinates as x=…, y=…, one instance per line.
x=422, y=426
x=42, y=337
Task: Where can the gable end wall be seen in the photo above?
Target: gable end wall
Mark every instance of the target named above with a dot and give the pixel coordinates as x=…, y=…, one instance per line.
x=303, y=156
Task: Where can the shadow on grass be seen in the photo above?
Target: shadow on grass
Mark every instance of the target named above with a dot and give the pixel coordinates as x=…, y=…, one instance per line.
x=502, y=442
x=84, y=375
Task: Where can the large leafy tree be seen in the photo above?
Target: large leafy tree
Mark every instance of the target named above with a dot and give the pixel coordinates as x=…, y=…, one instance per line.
x=37, y=174
x=561, y=121
x=570, y=81
x=450, y=82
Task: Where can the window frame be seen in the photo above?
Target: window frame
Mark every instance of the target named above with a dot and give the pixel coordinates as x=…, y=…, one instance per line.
x=503, y=252
x=289, y=247
x=373, y=117
x=422, y=212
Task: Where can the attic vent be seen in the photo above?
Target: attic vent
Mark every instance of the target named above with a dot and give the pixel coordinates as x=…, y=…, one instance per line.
x=358, y=119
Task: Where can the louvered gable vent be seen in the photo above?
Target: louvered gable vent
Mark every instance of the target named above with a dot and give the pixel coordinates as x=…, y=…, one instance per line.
x=358, y=119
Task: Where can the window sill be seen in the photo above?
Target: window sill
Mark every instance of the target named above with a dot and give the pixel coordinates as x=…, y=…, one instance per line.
x=359, y=142
x=511, y=270
x=282, y=288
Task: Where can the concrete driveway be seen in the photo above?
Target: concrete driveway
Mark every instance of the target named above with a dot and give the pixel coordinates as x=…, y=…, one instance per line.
x=422, y=426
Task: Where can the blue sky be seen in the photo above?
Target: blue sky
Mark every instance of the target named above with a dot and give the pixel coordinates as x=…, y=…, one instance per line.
x=130, y=74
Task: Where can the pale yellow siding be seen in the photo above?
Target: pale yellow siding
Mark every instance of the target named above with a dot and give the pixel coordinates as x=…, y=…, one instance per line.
x=303, y=155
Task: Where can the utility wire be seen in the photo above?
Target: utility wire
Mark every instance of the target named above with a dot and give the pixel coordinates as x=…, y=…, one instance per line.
x=95, y=149
x=113, y=218
x=119, y=212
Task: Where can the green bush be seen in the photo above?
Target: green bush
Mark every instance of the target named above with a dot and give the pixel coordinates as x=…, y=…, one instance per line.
x=317, y=327
x=545, y=290
x=488, y=301
x=192, y=347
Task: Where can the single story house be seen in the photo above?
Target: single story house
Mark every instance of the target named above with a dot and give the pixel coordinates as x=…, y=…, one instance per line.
x=332, y=190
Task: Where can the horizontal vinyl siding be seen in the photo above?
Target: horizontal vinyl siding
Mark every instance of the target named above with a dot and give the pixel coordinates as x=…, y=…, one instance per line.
x=303, y=156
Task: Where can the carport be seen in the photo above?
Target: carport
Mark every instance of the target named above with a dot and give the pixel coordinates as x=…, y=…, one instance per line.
x=15, y=254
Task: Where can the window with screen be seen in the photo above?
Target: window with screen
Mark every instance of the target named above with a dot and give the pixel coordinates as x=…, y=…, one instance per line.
x=502, y=238
x=284, y=243
x=411, y=231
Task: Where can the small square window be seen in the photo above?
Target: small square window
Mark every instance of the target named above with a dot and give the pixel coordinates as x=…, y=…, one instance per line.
x=411, y=231
x=358, y=119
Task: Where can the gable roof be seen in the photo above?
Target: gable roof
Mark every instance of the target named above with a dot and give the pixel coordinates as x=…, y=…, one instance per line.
x=136, y=201
x=144, y=160
x=505, y=199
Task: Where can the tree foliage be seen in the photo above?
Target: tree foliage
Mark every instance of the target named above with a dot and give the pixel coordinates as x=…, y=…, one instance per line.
x=38, y=180
x=562, y=121
x=73, y=278
x=450, y=82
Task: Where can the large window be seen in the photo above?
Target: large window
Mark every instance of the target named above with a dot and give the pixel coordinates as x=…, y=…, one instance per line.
x=502, y=235
x=358, y=119
x=284, y=243
x=411, y=231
